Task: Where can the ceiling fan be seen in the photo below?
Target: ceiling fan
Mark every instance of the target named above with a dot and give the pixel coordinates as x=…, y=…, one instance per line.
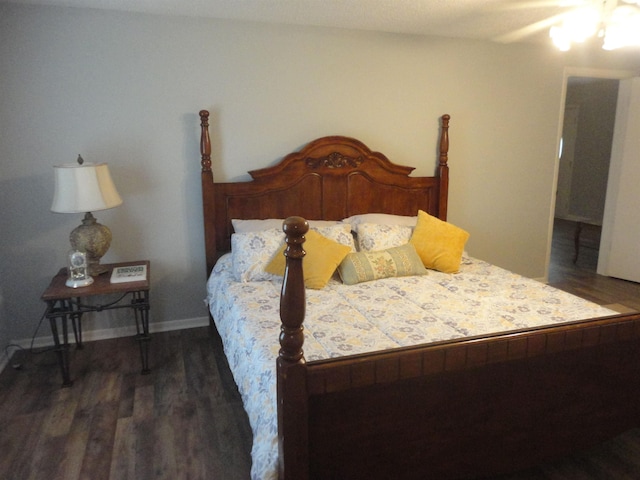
x=616, y=22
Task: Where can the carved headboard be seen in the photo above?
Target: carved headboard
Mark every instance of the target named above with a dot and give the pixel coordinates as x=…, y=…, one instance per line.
x=331, y=178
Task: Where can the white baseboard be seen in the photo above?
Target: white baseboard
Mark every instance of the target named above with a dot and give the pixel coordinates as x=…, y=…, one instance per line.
x=108, y=333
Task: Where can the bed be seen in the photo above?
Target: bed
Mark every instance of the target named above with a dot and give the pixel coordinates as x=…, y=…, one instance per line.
x=461, y=406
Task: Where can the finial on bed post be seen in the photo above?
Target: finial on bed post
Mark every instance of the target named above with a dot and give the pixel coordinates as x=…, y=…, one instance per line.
x=444, y=140
x=205, y=141
x=292, y=300
x=208, y=197
x=443, y=168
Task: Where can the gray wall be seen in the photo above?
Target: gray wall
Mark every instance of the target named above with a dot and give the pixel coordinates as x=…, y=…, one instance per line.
x=125, y=89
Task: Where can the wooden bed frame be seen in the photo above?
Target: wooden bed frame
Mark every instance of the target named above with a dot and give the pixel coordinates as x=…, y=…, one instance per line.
x=464, y=408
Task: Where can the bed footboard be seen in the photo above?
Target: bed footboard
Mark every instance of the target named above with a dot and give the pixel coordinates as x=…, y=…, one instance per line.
x=456, y=409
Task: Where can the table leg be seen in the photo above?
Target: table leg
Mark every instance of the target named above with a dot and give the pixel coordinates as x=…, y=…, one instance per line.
x=76, y=323
x=61, y=348
x=140, y=304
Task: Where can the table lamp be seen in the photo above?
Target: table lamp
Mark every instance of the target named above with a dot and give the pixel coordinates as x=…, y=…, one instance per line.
x=86, y=187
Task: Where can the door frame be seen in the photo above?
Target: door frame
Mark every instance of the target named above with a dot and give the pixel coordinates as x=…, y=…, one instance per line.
x=573, y=72
x=566, y=162
x=613, y=259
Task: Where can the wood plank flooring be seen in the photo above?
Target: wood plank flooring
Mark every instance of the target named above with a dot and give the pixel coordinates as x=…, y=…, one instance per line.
x=185, y=420
x=580, y=278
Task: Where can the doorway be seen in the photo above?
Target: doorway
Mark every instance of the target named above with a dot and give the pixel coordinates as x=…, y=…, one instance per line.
x=619, y=251
x=584, y=158
x=586, y=73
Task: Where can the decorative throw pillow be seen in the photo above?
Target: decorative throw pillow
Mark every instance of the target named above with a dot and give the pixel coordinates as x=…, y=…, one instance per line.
x=439, y=244
x=320, y=262
x=252, y=251
x=392, y=262
x=372, y=236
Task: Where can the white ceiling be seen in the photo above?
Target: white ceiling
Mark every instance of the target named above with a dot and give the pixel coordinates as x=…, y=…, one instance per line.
x=477, y=19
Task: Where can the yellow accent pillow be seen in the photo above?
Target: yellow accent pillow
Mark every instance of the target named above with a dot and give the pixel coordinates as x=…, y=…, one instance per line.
x=439, y=244
x=322, y=258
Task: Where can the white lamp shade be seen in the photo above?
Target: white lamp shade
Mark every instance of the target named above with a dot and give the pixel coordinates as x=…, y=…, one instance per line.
x=83, y=188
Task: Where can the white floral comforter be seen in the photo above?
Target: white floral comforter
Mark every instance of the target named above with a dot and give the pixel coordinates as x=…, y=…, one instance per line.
x=344, y=320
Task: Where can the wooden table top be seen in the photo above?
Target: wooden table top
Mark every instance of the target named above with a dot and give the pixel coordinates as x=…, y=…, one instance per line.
x=101, y=285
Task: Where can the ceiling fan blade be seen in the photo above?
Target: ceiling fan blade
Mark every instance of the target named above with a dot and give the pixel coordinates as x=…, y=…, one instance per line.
x=533, y=4
x=529, y=30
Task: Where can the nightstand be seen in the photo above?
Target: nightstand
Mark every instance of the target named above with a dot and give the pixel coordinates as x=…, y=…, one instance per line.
x=66, y=304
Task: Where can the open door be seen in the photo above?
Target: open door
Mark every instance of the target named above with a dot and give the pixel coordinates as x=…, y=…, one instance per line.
x=567, y=155
x=620, y=243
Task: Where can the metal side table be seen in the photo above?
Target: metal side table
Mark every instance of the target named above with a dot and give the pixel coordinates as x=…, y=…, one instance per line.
x=66, y=304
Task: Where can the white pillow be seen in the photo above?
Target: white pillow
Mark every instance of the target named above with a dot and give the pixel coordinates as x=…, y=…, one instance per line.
x=381, y=219
x=246, y=226
x=374, y=237
x=251, y=252
x=340, y=233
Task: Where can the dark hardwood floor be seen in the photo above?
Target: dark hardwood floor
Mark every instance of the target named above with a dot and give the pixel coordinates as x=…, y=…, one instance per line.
x=580, y=278
x=185, y=420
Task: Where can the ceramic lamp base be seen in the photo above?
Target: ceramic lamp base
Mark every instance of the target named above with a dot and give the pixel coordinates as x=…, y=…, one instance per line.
x=94, y=239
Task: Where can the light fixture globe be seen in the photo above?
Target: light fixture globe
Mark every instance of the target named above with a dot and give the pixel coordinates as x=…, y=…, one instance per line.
x=617, y=24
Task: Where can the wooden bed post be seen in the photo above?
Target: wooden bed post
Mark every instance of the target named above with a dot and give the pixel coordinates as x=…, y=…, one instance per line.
x=291, y=378
x=207, y=192
x=443, y=168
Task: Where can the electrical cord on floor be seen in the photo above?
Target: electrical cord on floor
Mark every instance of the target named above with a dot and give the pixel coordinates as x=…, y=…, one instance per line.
x=15, y=364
